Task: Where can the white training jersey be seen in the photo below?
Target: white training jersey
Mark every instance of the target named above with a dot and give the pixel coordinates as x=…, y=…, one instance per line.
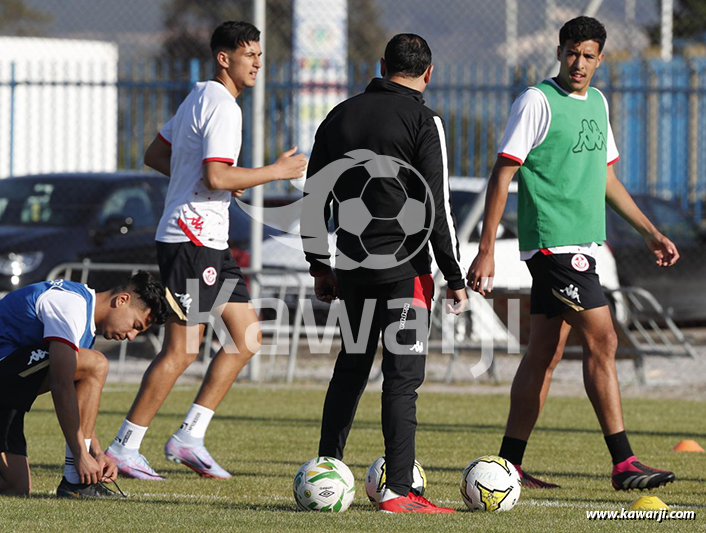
x=527, y=127
x=207, y=127
x=64, y=316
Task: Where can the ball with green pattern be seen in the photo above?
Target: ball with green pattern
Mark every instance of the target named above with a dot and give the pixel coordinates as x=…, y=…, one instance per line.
x=324, y=484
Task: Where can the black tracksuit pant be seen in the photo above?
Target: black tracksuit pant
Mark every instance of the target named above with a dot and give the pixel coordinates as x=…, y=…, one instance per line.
x=393, y=308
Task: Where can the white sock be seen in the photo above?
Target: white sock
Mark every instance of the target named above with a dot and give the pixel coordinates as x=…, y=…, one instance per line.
x=129, y=437
x=195, y=423
x=388, y=494
x=70, y=472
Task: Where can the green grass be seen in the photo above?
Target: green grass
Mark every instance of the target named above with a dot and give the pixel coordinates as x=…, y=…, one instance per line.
x=264, y=434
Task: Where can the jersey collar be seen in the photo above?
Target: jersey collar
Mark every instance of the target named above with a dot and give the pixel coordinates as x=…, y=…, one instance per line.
x=380, y=85
x=570, y=95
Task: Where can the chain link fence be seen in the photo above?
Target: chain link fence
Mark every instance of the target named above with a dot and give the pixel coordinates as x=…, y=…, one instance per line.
x=86, y=84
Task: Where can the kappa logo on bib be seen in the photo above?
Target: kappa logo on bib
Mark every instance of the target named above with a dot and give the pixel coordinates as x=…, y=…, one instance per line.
x=209, y=276
x=580, y=262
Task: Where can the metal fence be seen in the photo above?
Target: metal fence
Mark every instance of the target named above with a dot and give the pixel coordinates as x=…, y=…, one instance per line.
x=658, y=112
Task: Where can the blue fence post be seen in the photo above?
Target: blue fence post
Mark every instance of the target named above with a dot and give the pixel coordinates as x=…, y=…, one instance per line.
x=194, y=73
x=13, y=85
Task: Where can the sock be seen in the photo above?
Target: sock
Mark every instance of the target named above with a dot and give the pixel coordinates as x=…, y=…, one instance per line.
x=388, y=494
x=70, y=472
x=129, y=437
x=619, y=447
x=193, y=429
x=513, y=450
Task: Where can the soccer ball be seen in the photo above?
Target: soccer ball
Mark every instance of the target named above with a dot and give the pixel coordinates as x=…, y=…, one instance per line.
x=377, y=234
x=324, y=484
x=376, y=477
x=490, y=483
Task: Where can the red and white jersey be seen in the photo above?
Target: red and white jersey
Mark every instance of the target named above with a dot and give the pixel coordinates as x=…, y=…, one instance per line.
x=207, y=127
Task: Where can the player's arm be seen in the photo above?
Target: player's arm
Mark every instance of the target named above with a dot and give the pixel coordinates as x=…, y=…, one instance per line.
x=621, y=202
x=108, y=468
x=325, y=283
x=482, y=270
x=222, y=176
x=63, y=360
x=527, y=126
x=431, y=161
x=158, y=156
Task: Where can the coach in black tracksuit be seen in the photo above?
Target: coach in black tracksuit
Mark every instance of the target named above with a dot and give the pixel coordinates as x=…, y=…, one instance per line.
x=389, y=119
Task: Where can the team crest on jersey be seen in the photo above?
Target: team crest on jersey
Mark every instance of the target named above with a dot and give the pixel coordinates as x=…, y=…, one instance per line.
x=209, y=276
x=580, y=262
x=590, y=138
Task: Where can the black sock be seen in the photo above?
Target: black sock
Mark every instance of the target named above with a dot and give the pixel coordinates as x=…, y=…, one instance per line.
x=513, y=450
x=619, y=447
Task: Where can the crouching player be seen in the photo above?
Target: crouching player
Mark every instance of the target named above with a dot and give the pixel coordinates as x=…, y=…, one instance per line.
x=47, y=331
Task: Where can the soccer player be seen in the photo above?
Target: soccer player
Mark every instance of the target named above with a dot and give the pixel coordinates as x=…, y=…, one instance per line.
x=47, y=331
x=389, y=119
x=198, y=148
x=559, y=141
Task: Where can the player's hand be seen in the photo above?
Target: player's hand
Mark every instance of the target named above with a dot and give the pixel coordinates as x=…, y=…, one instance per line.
x=326, y=287
x=88, y=469
x=664, y=250
x=481, y=274
x=238, y=193
x=109, y=470
x=460, y=301
x=289, y=166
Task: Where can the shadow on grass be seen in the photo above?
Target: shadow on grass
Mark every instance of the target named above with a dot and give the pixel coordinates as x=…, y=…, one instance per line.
x=421, y=428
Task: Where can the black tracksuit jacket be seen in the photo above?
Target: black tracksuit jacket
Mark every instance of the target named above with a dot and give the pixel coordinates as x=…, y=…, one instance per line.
x=392, y=120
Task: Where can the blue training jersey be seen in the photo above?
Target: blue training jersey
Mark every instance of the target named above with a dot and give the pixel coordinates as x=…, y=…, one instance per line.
x=22, y=327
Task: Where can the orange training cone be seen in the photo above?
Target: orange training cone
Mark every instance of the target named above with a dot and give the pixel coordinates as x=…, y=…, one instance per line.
x=688, y=446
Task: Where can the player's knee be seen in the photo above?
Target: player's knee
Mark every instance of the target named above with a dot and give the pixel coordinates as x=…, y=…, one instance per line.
x=254, y=339
x=101, y=366
x=603, y=345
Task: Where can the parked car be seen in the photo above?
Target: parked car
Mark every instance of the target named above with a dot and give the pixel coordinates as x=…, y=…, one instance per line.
x=679, y=288
x=46, y=220
x=285, y=251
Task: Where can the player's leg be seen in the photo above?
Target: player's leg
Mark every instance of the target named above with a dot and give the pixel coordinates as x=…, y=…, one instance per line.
x=549, y=332
x=187, y=444
x=240, y=319
x=15, y=477
x=157, y=383
x=23, y=375
x=601, y=382
x=405, y=325
x=595, y=326
x=352, y=368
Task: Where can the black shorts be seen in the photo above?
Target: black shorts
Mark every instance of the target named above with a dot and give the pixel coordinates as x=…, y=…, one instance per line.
x=564, y=281
x=12, y=431
x=179, y=262
x=21, y=376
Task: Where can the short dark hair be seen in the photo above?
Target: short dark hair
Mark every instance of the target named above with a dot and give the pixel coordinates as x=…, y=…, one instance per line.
x=408, y=55
x=232, y=34
x=583, y=29
x=150, y=293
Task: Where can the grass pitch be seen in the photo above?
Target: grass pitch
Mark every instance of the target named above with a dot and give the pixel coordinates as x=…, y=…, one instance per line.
x=263, y=434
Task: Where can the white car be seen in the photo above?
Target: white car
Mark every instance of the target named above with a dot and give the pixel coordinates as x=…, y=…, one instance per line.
x=468, y=198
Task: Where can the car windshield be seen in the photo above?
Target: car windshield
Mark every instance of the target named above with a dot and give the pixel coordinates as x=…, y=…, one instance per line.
x=43, y=202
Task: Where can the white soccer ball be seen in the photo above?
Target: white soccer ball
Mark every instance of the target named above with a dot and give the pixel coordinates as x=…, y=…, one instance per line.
x=490, y=483
x=376, y=478
x=324, y=484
